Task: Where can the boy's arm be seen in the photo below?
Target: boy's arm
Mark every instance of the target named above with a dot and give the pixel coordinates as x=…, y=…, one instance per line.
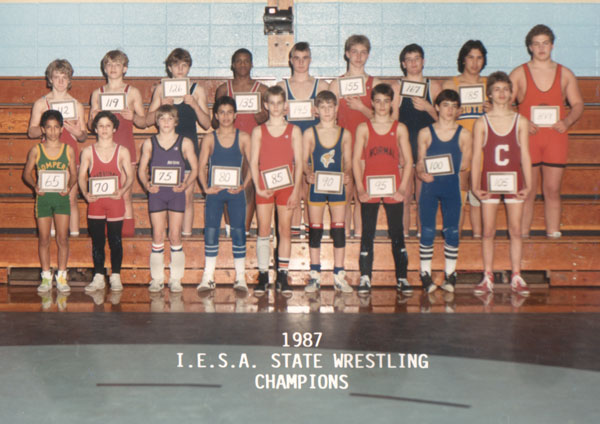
x=206, y=150
x=72, y=170
x=244, y=138
x=32, y=157
x=575, y=100
x=465, y=143
x=154, y=105
x=396, y=101
x=139, y=115
x=34, y=130
x=262, y=116
x=297, y=147
x=125, y=162
x=347, y=156
x=86, y=156
x=362, y=133
x=187, y=148
x=255, y=145
x=423, y=140
x=308, y=141
x=143, y=167
x=407, y=169
x=94, y=108
x=200, y=106
x=478, y=139
x=525, y=156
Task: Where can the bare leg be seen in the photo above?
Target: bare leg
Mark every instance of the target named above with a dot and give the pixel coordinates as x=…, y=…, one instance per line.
x=62, y=240
x=475, y=215
x=489, y=232
x=188, y=215
x=515, y=217
x=74, y=220
x=530, y=201
x=44, y=241
x=551, y=182
x=284, y=243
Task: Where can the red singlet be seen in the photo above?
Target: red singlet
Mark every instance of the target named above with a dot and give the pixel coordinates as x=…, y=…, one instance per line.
x=124, y=134
x=349, y=118
x=244, y=121
x=382, y=157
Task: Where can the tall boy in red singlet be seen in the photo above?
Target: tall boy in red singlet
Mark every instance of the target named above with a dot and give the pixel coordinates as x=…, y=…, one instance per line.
x=275, y=144
x=353, y=110
x=114, y=68
x=501, y=145
x=58, y=78
x=105, y=158
x=541, y=81
x=380, y=144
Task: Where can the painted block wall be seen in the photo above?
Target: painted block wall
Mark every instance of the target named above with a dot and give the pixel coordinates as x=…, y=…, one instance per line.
x=33, y=34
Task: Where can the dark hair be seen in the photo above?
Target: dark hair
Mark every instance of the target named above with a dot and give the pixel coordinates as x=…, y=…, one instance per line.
x=105, y=114
x=325, y=96
x=176, y=56
x=466, y=49
x=411, y=48
x=239, y=52
x=223, y=100
x=301, y=46
x=49, y=115
x=274, y=90
x=495, y=77
x=447, y=95
x=539, y=29
x=383, y=88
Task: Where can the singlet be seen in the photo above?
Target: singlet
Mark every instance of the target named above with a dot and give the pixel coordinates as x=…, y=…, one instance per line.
x=225, y=156
x=382, y=157
x=124, y=134
x=187, y=122
x=349, y=118
x=470, y=113
x=99, y=168
x=276, y=151
x=67, y=138
x=303, y=125
x=172, y=158
x=502, y=153
x=414, y=119
x=452, y=147
x=58, y=163
x=535, y=97
x=244, y=121
x=328, y=159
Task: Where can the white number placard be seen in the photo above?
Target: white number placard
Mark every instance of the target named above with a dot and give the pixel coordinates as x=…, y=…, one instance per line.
x=165, y=176
x=67, y=108
x=104, y=186
x=381, y=185
x=471, y=94
x=277, y=178
x=413, y=89
x=329, y=182
x=545, y=116
x=502, y=182
x=175, y=87
x=52, y=181
x=352, y=86
x=247, y=102
x=300, y=110
x=114, y=102
x=439, y=165
x=225, y=176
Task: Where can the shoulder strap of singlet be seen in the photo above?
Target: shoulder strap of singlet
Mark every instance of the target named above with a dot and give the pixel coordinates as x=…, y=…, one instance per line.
x=236, y=140
x=102, y=89
x=255, y=86
x=229, y=88
x=314, y=91
x=126, y=88
x=290, y=95
x=193, y=88
x=428, y=90
x=369, y=84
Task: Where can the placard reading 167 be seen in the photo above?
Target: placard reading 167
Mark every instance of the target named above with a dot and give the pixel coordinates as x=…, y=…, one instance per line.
x=381, y=185
x=115, y=102
x=413, y=89
x=68, y=109
x=165, y=176
x=502, y=182
x=277, y=178
x=52, y=181
x=329, y=182
x=439, y=165
x=103, y=186
x=225, y=176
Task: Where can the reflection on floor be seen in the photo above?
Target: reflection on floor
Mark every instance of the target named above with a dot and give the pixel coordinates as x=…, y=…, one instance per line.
x=225, y=299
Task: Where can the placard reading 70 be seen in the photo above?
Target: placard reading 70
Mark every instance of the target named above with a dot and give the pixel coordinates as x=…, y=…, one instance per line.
x=165, y=176
x=103, y=186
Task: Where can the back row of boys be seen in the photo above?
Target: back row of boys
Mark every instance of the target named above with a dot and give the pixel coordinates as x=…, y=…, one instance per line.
x=381, y=146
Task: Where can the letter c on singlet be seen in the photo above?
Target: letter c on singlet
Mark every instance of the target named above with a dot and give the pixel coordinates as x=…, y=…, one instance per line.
x=497, y=152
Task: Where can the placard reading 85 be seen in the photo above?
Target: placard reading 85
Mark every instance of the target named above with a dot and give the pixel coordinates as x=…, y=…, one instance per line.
x=103, y=186
x=277, y=178
x=52, y=181
x=502, y=182
x=165, y=176
x=439, y=165
x=381, y=185
x=329, y=182
x=225, y=176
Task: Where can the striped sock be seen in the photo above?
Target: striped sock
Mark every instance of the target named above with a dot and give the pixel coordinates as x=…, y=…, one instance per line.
x=451, y=255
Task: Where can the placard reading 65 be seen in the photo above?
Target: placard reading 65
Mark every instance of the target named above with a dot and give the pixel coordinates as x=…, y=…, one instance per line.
x=277, y=178
x=165, y=176
x=52, y=181
x=103, y=186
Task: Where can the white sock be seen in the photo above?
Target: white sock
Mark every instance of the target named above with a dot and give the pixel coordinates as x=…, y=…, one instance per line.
x=210, y=263
x=263, y=253
x=177, y=265
x=157, y=266
x=240, y=267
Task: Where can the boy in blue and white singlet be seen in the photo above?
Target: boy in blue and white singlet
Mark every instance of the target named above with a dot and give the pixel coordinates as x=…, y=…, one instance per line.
x=227, y=147
x=327, y=148
x=163, y=160
x=443, y=138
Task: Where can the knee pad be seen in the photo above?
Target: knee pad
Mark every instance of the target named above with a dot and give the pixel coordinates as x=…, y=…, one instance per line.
x=427, y=235
x=315, y=234
x=451, y=236
x=263, y=253
x=211, y=241
x=473, y=200
x=238, y=241
x=338, y=234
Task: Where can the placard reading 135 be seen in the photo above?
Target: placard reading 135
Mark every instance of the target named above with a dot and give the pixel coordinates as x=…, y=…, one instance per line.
x=52, y=181
x=103, y=186
x=165, y=176
x=247, y=102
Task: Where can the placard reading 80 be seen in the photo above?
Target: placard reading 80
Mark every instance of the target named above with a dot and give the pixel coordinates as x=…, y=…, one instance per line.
x=225, y=176
x=103, y=186
x=165, y=176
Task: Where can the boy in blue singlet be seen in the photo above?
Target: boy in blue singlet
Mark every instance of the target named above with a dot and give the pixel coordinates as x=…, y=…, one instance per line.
x=224, y=147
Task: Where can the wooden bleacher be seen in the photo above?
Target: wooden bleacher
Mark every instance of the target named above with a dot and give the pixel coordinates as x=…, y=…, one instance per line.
x=572, y=260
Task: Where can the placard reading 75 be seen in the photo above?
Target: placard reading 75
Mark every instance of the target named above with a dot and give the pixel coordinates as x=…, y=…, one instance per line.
x=165, y=176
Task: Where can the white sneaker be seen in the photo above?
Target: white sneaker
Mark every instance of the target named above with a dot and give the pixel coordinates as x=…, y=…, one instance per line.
x=61, y=282
x=98, y=283
x=156, y=286
x=115, y=282
x=46, y=284
x=175, y=286
x=314, y=282
x=364, y=287
x=518, y=285
x=240, y=284
x=340, y=283
x=206, y=284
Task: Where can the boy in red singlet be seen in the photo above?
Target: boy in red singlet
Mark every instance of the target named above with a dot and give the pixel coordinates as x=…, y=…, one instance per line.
x=380, y=144
x=501, y=151
x=105, y=158
x=275, y=144
x=353, y=110
x=191, y=108
x=114, y=68
x=541, y=81
x=58, y=78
